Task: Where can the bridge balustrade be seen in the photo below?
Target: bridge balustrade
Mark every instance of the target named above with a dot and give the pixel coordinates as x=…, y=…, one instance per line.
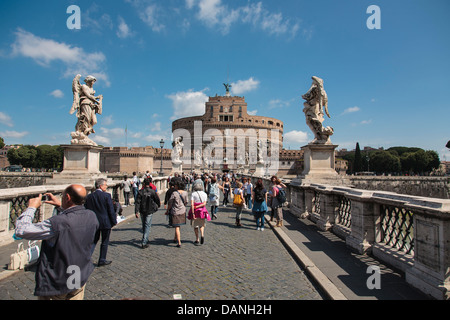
x=410, y=233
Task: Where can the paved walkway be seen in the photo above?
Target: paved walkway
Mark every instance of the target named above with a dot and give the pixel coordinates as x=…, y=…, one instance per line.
x=295, y=262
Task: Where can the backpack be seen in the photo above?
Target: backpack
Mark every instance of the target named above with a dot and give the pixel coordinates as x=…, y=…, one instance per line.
x=281, y=196
x=260, y=195
x=147, y=205
x=212, y=191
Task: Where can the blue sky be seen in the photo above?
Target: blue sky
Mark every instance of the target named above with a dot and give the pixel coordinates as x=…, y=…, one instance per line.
x=159, y=60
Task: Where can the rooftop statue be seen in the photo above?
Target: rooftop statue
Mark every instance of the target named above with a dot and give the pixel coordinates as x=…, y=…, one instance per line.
x=87, y=106
x=314, y=107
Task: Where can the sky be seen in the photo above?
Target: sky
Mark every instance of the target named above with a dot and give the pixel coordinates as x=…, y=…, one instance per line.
x=156, y=61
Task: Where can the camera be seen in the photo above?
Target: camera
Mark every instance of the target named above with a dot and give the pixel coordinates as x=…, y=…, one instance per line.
x=44, y=198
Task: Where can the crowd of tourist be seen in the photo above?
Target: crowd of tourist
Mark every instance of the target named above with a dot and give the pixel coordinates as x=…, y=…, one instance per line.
x=69, y=237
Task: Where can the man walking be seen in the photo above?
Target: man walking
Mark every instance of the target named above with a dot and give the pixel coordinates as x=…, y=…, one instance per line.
x=101, y=203
x=67, y=240
x=147, y=203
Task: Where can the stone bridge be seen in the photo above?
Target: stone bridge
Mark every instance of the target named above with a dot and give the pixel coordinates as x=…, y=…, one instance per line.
x=409, y=233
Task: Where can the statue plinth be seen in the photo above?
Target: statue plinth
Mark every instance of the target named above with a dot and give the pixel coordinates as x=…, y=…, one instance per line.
x=177, y=167
x=319, y=164
x=260, y=171
x=81, y=165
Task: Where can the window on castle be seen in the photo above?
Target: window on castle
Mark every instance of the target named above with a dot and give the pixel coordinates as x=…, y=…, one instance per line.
x=223, y=118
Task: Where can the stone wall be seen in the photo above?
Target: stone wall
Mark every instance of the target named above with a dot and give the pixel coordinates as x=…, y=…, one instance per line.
x=433, y=187
x=23, y=179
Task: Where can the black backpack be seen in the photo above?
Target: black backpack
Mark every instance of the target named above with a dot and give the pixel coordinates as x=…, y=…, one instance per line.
x=260, y=195
x=281, y=196
x=147, y=205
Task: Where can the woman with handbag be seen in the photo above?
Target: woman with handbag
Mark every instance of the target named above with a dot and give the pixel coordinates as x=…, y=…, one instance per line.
x=176, y=208
x=198, y=214
x=238, y=202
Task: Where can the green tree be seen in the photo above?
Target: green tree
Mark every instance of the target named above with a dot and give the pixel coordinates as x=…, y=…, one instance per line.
x=2, y=143
x=357, y=164
x=24, y=156
x=384, y=162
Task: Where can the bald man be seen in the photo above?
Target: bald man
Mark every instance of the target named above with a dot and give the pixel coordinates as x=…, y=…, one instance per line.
x=64, y=264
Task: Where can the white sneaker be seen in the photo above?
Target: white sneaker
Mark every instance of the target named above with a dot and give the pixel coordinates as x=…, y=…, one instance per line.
x=262, y=229
x=258, y=228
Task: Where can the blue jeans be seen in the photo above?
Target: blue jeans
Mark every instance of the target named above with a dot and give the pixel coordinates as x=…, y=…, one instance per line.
x=146, y=226
x=135, y=193
x=260, y=219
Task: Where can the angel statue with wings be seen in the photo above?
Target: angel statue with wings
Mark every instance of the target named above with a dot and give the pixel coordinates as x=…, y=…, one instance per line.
x=87, y=106
x=314, y=107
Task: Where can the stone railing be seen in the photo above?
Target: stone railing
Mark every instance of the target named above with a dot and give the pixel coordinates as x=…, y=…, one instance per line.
x=14, y=201
x=410, y=233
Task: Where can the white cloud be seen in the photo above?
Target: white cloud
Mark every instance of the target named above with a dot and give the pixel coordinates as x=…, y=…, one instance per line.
x=13, y=134
x=188, y=104
x=252, y=113
x=277, y=103
x=124, y=30
x=6, y=120
x=150, y=16
x=113, y=133
x=107, y=120
x=156, y=126
x=102, y=140
x=243, y=86
x=57, y=93
x=295, y=138
x=45, y=51
x=366, y=122
x=215, y=14
x=154, y=138
x=351, y=110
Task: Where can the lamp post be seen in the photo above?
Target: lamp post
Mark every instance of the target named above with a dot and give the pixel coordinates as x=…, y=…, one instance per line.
x=161, y=143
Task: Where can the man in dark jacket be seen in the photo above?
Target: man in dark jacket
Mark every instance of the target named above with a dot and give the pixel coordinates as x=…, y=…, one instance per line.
x=147, y=203
x=64, y=264
x=101, y=203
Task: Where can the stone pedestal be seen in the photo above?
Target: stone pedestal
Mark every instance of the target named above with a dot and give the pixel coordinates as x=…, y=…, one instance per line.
x=177, y=167
x=319, y=166
x=260, y=170
x=81, y=165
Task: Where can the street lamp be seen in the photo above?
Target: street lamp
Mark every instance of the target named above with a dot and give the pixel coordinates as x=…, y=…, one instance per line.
x=161, y=143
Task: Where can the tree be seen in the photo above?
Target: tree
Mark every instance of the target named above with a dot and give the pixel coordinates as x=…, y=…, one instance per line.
x=24, y=156
x=42, y=157
x=357, y=165
x=384, y=162
x=2, y=143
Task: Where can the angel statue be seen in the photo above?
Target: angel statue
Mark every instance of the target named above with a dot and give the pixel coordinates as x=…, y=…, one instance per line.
x=177, y=150
x=87, y=105
x=227, y=88
x=314, y=107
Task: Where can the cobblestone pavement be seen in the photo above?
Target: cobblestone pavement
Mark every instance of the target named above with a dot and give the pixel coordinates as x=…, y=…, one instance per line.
x=233, y=264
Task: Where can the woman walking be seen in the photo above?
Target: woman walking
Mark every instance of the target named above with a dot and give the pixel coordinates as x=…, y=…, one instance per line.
x=177, y=209
x=226, y=188
x=277, y=206
x=238, y=202
x=214, y=196
x=259, y=199
x=198, y=214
